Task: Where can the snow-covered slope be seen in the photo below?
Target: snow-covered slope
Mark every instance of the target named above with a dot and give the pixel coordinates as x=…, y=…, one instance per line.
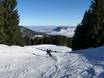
x=33, y=62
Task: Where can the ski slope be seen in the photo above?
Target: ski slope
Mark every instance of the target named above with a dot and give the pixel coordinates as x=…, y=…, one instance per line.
x=33, y=62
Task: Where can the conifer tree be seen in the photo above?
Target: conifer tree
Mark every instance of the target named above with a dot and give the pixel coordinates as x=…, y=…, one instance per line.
x=11, y=21
x=100, y=15
x=2, y=34
x=86, y=34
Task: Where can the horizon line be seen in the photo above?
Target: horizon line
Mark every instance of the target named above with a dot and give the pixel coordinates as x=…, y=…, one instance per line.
x=48, y=25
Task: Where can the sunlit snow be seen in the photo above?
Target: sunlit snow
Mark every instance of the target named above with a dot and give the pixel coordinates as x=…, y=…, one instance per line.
x=33, y=62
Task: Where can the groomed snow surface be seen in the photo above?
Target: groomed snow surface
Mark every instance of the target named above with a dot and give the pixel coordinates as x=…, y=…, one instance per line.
x=33, y=62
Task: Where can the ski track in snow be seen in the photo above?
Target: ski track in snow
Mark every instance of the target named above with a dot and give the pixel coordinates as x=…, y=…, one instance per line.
x=30, y=62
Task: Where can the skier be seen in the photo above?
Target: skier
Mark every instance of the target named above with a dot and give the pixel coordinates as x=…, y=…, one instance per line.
x=49, y=52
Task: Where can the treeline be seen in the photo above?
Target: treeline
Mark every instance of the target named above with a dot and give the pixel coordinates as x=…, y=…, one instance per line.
x=49, y=39
x=10, y=33
x=90, y=32
x=9, y=20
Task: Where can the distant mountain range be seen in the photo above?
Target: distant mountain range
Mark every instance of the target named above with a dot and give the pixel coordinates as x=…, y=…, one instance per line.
x=44, y=29
x=28, y=32
x=32, y=31
x=63, y=28
x=65, y=31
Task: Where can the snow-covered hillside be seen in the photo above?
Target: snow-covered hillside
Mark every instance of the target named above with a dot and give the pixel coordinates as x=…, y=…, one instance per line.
x=33, y=62
x=67, y=31
x=64, y=31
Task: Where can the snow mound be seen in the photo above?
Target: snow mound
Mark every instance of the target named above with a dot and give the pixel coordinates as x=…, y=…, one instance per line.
x=33, y=62
x=95, y=54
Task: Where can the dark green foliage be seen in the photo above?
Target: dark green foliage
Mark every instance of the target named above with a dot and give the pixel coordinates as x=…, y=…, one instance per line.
x=49, y=39
x=9, y=20
x=90, y=33
x=2, y=34
x=86, y=34
x=77, y=41
x=27, y=40
x=100, y=15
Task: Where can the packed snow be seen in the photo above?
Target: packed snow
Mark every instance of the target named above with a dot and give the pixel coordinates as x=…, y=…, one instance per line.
x=34, y=62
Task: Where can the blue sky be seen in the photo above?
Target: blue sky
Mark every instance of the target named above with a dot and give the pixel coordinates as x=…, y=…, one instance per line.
x=51, y=12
